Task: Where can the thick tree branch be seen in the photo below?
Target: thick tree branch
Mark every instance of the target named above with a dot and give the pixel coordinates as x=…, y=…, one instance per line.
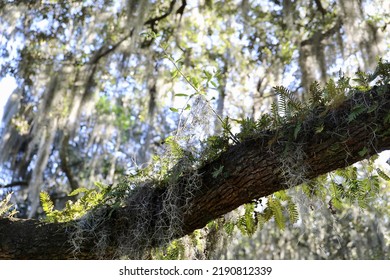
x=252, y=169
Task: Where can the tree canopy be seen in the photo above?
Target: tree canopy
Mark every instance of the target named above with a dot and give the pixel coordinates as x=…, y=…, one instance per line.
x=141, y=128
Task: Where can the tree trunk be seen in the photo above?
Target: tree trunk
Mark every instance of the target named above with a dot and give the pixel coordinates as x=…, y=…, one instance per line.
x=257, y=167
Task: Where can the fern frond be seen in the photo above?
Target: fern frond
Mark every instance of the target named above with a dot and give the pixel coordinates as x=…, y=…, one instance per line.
x=47, y=204
x=316, y=97
x=292, y=212
x=277, y=211
x=383, y=175
x=356, y=111
x=363, y=80
x=264, y=217
x=288, y=103
x=247, y=223
x=6, y=206
x=276, y=120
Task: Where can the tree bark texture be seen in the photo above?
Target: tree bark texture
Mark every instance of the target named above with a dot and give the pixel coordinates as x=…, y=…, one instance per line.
x=259, y=166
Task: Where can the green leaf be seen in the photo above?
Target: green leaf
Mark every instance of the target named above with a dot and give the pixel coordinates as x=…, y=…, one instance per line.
x=382, y=174
x=276, y=207
x=77, y=191
x=175, y=73
x=181, y=94
x=296, y=130
x=363, y=152
x=174, y=109
x=217, y=172
x=292, y=212
x=188, y=107
x=319, y=128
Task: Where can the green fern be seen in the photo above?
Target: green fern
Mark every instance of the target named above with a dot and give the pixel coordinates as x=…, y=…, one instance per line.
x=352, y=189
x=264, y=217
x=275, y=117
x=316, y=95
x=6, y=210
x=383, y=72
x=363, y=80
x=291, y=207
x=356, y=112
x=74, y=210
x=174, y=146
x=292, y=212
x=229, y=228
x=264, y=122
x=248, y=128
x=47, y=204
x=277, y=212
x=247, y=223
x=289, y=105
x=331, y=90
x=383, y=175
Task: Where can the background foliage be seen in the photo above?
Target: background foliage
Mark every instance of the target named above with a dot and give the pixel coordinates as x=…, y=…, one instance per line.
x=107, y=88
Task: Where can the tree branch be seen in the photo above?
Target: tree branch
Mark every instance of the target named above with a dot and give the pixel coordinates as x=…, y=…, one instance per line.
x=14, y=184
x=153, y=21
x=252, y=169
x=320, y=7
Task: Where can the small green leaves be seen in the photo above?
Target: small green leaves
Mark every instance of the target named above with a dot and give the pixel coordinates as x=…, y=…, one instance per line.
x=217, y=172
x=296, y=130
x=6, y=207
x=181, y=95
x=276, y=207
x=319, y=128
x=356, y=111
x=176, y=110
x=363, y=152
x=47, y=204
x=77, y=191
x=247, y=223
x=383, y=175
x=73, y=210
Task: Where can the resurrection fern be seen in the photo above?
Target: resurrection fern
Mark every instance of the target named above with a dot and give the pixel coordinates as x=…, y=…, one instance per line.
x=289, y=105
x=264, y=122
x=346, y=187
x=316, y=95
x=363, y=80
x=247, y=223
x=383, y=175
x=249, y=127
x=277, y=212
x=47, y=204
x=292, y=211
x=229, y=227
x=276, y=120
x=6, y=208
x=174, y=251
x=356, y=111
x=382, y=72
x=291, y=207
x=90, y=199
x=175, y=148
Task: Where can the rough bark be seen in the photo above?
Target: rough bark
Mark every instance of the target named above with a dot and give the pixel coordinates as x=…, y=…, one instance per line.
x=252, y=169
